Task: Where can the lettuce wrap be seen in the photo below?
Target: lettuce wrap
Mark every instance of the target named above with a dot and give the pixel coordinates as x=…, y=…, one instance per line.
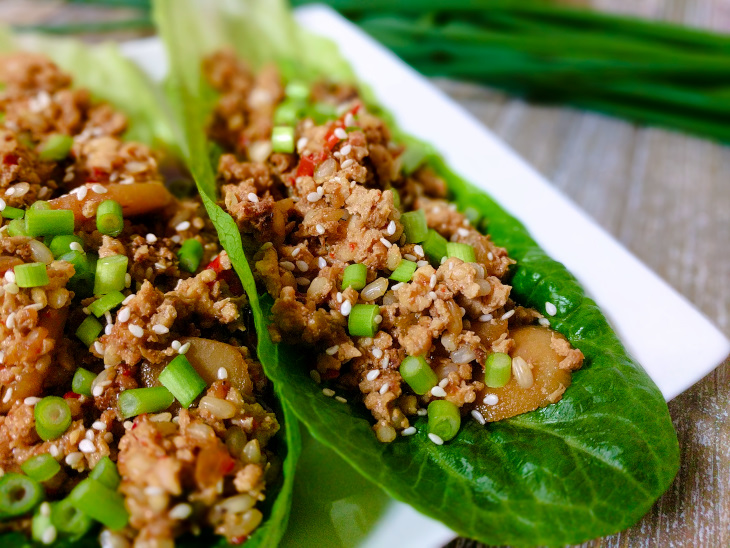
x=588, y=466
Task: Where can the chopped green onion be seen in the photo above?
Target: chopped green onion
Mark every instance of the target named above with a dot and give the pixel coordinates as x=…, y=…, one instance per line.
x=363, y=320
x=465, y=252
x=68, y=520
x=396, y=197
x=473, y=215
x=99, y=502
x=109, y=218
x=106, y=303
x=414, y=226
x=412, y=158
x=19, y=494
x=190, y=255
x=82, y=282
x=287, y=113
x=105, y=472
x=497, y=370
x=89, y=330
x=49, y=222
x=60, y=245
x=13, y=212
x=56, y=147
x=52, y=417
x=282, y=139
x=41, y=467
x=297, y=91
x=182, y=380
x=40, y=204
x=144, y=400
x=81, y=383
x=39, y=525
x=418, y=374
x=16, y=227
x=434, y=246
x=322, y=112
x=110, y=274
x=355, y=276
x=404, y=272
x=444, y=419
x=31, y=275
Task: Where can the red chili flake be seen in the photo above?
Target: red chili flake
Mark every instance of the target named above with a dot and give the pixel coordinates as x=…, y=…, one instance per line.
x=331, y=139
x=71, y=395
x=10, y=160
x=215, y=264
x=353, y=245
x=97, y=175
x=330, y=374
x=305, y=167
x=227, y=466
x=239, y=540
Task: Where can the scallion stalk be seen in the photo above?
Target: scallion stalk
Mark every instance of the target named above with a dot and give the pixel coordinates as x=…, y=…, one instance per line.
x=144, y=400
x=282, y=139
x=182, y=380
x=404, y=271
x=109, y=219
x=106, y=473
x=16, y=227
x=363, y=320
x=190, y=255
x=52, y=417
x=49, y=222
x=355, y=276
x=13, y=212
x=444, y=419
x=414, y=226
x=106, y=303
x=89, y=330
x=99, y=502
x=418, y=374
x=19, y=494
x=110, y=274
x=31, y=275
x=497, y=370
x=56, y=147
x=81, y=382
x=465, y=252
x=434, y=246
x=68, y=520
x=60, y=245
x=41, y=467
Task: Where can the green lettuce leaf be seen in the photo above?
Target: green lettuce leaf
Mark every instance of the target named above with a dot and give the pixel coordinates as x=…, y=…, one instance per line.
x=113, y=78
x=589, y=466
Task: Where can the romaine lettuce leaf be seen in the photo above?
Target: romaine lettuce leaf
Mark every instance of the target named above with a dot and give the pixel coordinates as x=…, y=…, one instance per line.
x=591, y=465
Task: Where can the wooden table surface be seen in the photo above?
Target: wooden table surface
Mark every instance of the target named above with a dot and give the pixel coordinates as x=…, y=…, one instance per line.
x=666, y=197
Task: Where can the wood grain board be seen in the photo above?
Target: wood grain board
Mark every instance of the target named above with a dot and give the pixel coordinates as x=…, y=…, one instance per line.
x=666, y=197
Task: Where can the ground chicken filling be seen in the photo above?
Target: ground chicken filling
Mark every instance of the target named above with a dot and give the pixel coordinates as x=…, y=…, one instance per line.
x=319, y=186
x=128, y=395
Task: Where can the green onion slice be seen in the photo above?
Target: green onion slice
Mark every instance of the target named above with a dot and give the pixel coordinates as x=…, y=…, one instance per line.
x=282, y=139
x=363, y=320
x=287, y=113
x=81, y=382
x=39, y=525
x=110, y=274
x=434, y=246
x=106, y=472
x=444, y=419
x=31, y=275
x=355, y=276
x=497, y=370
x=68, y=520
x=41, y=467
x=82, y=282
x=144, y=400
x=297, y=91
x=40, y=204
x=414, y=226
x=109, y=219
x=56, y=147
x=465, y=252
x=404, y=271
x=190, y=255
x=16, y=227
x=19, y=494
x=89, y=330
x=60, y=245
x=99, y=502
x=418, y=374
x=52, y=417
x=106, y=303
x=49, y=222
x=13, y=212
x=182, y=380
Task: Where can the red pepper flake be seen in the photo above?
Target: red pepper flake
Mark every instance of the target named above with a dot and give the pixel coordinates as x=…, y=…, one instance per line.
x=215, y=264
x=71, y=396
x=10, y=160
x=305, y=167
x=227, y=466
x=239, y=540
x=330, y=374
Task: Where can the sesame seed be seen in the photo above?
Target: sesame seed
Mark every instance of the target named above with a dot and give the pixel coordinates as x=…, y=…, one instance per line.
x=153, y=490
x=11, y=288
x=345, y=150
x=443, y=260
x=8, y=395
x=31, y=400
x=49, y=535
x=491, y=399
x=150, y=238
x=99, y=348
x=302, y=266
x=176, y=345
x=349, y=119
x=478, y=416
x=10, y=276
x=72, y=459
x=422, y=412
x=3, y=205
x=176, y=238
x=391, y=228
x=384, y=388
x=98, y=189
x=386, y=243
x=321, y=262
x=90, y=435
x=184, y=348
x=332, y=350
x=303, y=281
x=315, y=376
x=551, y=309
x=438, y=392
x=98, y=425
x=53, y=450
x=485, y=317
x=377, y=353
x=313, y=197
x=108, y=329
x=301, y=143
x=87, y=446
x=180, y=511
x=287, y=265
x=436, y=439
x=328, y=392
x=320, y=229
x=372, y=375
x=340, y=133
x=252, y=197
x=123, y=315
x=338, y=297
x=409, y=431
x=294, y=252
x=108, y=317
x=45, y=509
x=136, y=330
x=128, y=298
x=462, y=232
x=340, y=399
x=222, y=373
x=419, y=264
x=320, y=190
x=182, y=226
x=418, y=250
x=433, y=295
x=432, y=281
x=97, y=391
x=127, y=425
x=160, y=329
x=397, y=286
x=378, y=319
x=463, y=310
x=508, y=315
x=544, y=322
x=346, y=308
x=10, y=191
x=443, y=383
x=410, y=257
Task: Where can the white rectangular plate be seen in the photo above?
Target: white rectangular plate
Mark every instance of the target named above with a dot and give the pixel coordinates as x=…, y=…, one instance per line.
x=621, y=285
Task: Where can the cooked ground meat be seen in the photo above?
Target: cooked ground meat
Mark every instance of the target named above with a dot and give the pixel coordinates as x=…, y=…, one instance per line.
x=338, y=199
x=181, y=469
